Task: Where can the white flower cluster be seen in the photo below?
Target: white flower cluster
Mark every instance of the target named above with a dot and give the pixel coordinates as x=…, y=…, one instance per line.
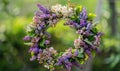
x=64, y=10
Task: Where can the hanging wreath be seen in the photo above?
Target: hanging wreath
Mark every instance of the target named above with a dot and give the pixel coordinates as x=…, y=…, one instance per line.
x=77, y=18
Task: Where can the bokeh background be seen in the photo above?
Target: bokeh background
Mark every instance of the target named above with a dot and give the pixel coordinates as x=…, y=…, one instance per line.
x=15, y=15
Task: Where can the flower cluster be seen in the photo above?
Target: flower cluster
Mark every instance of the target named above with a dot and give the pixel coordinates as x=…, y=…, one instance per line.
x=39, y=39
x=62, y=10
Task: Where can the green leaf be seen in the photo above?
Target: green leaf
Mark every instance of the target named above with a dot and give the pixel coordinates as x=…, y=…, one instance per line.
x=81, y=50
x=29, y=43
x=81, y=61
x=88, y=42
x=31, y=34
x=94, y=30
x=73, y=18
x=78, y=9
x=91, y=38
x=80, y=55
x=32, y=53
x=60, y=54
x=42, y=43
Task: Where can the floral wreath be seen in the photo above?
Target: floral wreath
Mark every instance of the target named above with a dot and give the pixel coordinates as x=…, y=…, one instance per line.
x=76, y=17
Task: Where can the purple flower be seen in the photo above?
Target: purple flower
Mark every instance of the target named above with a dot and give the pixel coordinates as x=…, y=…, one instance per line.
x=47, y=42
x=52, y=50
x=97, y=40
x=68, y=65
x=100, y=34
x=54, y=15
x=89, y=53
x=38, y=13
x=36, y=19
x=77, y=26
x=76, y=52
x=77, y=43
x=86, y=33
x=60, y=60
x=83, y=23
x=89, y=26
x=33, y=58
x=43, y=16
x=55, y=21
x=79, y=31
x=40, y=50
x=35, y=50
x=27, y=38
x=83, y=14
x=35, y=39
x=43, y=9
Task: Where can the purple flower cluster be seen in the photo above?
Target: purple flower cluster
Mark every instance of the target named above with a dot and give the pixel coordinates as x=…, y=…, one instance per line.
x=37, y=35
x=39, y=39
x=66, y=57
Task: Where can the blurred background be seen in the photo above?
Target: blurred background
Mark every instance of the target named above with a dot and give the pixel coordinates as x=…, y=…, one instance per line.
x=15, y=15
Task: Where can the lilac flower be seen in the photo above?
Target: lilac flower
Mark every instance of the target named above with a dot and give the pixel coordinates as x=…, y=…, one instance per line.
x=89, y=53
x=60, y=61
x=33, y=58
x=36, y=19
x=83, y=23
x=89, y=26
x=43, y=9
x=38, y=13
x=79, y=31
x=77, y=26
x=100, y=34
x=54, y=15
x=27, y=38
x=83, y=14
x=47, y=42
x=77, y=43
x=35, y=50
x=35, y=39
x=68, y=65
x=97, y=40
x=67, y=55
x=40, y=28
x=76, y=52
x=40, y=50
x=86, y=33
x=52, y=50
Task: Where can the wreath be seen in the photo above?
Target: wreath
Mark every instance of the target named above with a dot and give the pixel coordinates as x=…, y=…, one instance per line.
x=77, y=18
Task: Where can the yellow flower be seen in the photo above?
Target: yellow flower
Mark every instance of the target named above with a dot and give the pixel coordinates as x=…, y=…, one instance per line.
x=92, y=15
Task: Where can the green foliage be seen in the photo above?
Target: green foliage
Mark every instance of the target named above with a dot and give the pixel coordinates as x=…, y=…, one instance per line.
x=42, y=44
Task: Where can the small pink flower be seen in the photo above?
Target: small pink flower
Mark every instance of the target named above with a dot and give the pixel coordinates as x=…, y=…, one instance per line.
x=77, y=43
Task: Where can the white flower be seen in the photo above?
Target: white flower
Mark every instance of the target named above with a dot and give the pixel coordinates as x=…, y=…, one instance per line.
x=56, y=8
x=67, y=11
x=64, y=10
x=29, y=28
